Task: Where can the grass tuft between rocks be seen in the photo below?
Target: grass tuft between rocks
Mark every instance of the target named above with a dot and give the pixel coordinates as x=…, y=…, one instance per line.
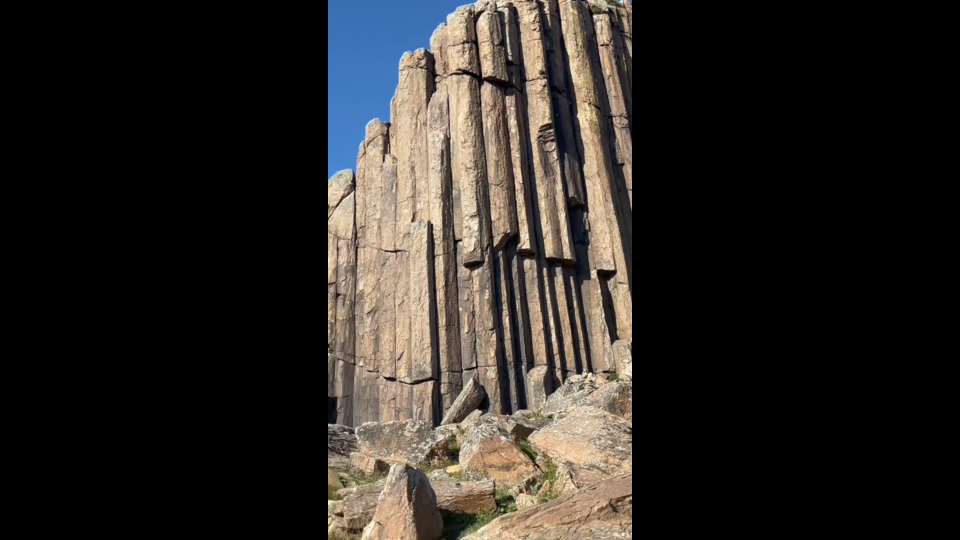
x=332, y=493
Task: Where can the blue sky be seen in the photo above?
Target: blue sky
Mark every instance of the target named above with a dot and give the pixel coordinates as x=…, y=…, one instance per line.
x=365, y=43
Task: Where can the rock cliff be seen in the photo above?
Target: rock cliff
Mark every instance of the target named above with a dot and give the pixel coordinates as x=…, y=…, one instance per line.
x=487, y=230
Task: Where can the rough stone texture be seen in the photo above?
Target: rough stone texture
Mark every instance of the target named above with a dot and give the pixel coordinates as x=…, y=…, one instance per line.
x=466, y=403
x=623, y=356
x=463, y=497
x=332, y=479
x=341, y=441
x=525, y=501
x=406, y=509
x=592, y=443
x=615, y=398
x=493, y=56
x=412, y=441
x=359, y=505
x=488, y=451
x=602, y=511
x=487, y=231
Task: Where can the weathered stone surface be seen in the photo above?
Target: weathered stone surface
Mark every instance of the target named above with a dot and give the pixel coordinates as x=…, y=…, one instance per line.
x=409, y=123
x=488, y=451
x=463, y=497
x=412, y=441
x=422, y=363
x=592, y=443
x=406, y=509
x=519, y=161
x=332, y=479
x=503, y=209
x=510, y=146
x=601, y=511
x=460, y=44
x=525, y=501
x=571, y=394
x=493, y=59
x=341, y=441
x=467, y=402
x=615, y=398
x=359, y=505
x=469, y=166
x=471, y=419
x=339, y=186
x=623, y=356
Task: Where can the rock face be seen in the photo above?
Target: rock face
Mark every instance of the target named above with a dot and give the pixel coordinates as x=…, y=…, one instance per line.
x=406, y=509
x=598, y=511
x=591, y=443
x=486, y=233
x=458, y=497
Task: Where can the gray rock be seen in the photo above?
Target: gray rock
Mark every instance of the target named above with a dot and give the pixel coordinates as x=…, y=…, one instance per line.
x=466, y=403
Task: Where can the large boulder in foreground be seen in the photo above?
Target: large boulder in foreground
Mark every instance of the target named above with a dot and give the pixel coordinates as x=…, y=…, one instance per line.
x=408, y=441
x=459, y=497
x=469, y=399
x=599, y=511
x=592, y=443
x=488, y=451
x=407, y=508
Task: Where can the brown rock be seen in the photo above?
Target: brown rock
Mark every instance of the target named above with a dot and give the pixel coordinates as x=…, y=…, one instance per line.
x=503, y=209
x=412, y=441
x=615, y=398
x=421, y=365
x=467, y=402
x=598, y=511
x=332, y=479
x=461, y=43
x=493, y=60
x=488, y=451
x=341, y=441
x=463, y=497
x=623, y=355
x=592, y=443
x=407, y=508
x=469, y=166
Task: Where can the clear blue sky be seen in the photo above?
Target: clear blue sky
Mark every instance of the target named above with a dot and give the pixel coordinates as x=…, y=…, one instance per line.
x=365, y=43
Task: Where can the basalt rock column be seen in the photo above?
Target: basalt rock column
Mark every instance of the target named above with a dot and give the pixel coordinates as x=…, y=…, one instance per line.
x=492, y=217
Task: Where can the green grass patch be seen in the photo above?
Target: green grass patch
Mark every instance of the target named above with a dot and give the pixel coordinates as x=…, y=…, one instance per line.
x=528, y=449
x=613, y=376
x=361, y=478
x=505, y=502
x=456, y=526
x=332, y=493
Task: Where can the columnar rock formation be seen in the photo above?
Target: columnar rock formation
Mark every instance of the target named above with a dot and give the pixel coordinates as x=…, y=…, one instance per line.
x=488, y=230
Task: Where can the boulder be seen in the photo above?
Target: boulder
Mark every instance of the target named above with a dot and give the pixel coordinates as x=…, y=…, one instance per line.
x=407, y=508
x=470, y=420
x=571, y=394
x=408, y=441
x=592, y=443
x=458, y=497
x=469, y=399
x=598, y=511
x=615, y=398
x=488, y=451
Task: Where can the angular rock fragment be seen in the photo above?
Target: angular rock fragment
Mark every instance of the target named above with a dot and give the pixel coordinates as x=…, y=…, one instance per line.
x=406, y=509
x=467, y=402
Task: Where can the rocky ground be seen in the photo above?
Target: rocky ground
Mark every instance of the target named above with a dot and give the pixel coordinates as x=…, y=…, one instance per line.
x=563, y=471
